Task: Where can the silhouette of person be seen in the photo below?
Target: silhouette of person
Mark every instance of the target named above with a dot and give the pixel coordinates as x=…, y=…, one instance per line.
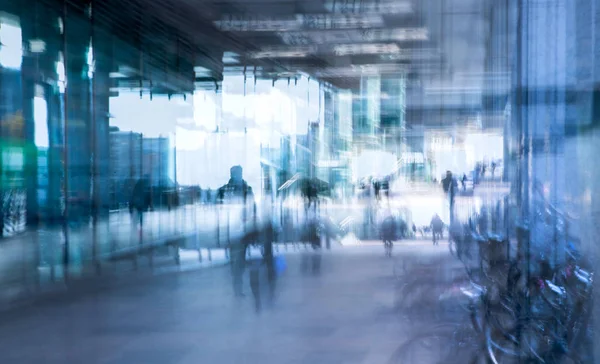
x=237, y=190
x=140, y=198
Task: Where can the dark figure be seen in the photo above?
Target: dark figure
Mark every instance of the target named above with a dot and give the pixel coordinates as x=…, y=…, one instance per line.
x=264, y=236
x=494, y=165
x=477, y=174
x=483, y=168
x=377, y=189
x=464, y=182
x=450, y=186
x=414, y=229
x=140, y=198
x=385, y=186
x=310, y=193
x=389, y=233
x=237, y=191
x=437, y=229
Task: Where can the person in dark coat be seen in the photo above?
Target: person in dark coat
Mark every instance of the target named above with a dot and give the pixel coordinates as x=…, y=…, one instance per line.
x=140, y=198
x=450, y=187
x=389, y=233
x=437, y=229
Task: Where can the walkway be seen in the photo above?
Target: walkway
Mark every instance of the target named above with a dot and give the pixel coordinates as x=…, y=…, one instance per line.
x=340, y=313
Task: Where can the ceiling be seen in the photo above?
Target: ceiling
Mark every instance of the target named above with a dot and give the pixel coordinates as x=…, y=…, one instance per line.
x=440, y=45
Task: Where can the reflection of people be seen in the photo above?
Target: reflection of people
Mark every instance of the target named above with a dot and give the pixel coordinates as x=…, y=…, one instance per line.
x=140, y=198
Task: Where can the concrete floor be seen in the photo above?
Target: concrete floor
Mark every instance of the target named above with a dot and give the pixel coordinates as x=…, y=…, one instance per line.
x=343, y=312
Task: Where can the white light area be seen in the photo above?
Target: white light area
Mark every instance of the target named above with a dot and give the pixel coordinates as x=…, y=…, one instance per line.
x=186, y=139
x=40, y=119
x=152, y=117
x=205, y=109
x=11, y=48
x=37, y=46
x=371, y=48
x=283, y=108
x=341, y=21
x=454, y=160
x=61, y=74
x=486, y=146
x=258, y=25
x=116, y=75
x=313, y=100
x=373, y=163
x=355, y=35
x=209, y=166
x=379, y=7
x=91, y=63
x=288, y=52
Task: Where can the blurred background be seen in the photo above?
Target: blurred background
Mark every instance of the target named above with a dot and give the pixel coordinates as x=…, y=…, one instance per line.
x=120, y=122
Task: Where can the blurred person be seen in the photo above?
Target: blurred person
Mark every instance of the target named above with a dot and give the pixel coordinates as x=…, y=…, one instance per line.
x=450, y=186
x=457, y=234
x=140, y=199
x=377, y=189
x=414, y=230
x=264, y=234
x=463, y=181
x=482, y=221
x=477, y=174
x=310, y=193
x=389, y=232
x=237, y=191
x=437, y=229
x=494, y=165
x=385, y=186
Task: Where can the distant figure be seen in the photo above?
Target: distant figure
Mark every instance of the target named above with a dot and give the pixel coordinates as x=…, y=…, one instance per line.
x=377, y=188
x=237, y=191
x=208, y=196
x=464, y=182
x=450, y=186
x=389, y=233
x=414, y=230
x=494, y=165
x=437, y=229
x=385, y=186
x=483, y=168
x=310, y=193
x=477, y=174
x=140, y=198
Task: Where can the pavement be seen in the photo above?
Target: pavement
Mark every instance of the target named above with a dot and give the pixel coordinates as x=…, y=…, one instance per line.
x=337, y=306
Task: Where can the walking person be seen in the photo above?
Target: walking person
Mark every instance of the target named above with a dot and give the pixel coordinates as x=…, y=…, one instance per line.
x=140, y=200
x=237, y=191
x=389, y=233
x=437, y=229
x=450, y=187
